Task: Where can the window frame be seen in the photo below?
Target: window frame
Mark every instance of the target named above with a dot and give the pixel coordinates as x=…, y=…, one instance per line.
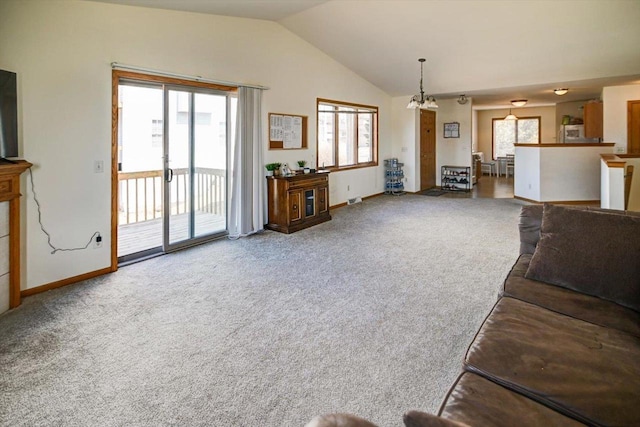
x=493, y=129
x=375, y=111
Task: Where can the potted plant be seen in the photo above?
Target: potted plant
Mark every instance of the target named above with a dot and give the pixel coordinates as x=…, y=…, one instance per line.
x=273, y=168
x=302, y=164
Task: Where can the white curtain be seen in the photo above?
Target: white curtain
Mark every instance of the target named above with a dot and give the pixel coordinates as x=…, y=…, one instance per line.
x=246, y=212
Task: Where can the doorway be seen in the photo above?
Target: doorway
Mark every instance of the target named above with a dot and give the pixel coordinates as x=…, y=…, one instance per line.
x=427, y=149
x=171, y=170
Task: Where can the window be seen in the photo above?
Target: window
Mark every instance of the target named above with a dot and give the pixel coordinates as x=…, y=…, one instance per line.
x=525, y=130
x=347, y=135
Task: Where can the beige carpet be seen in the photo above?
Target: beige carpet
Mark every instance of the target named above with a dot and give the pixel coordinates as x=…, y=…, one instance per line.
x=369, y=313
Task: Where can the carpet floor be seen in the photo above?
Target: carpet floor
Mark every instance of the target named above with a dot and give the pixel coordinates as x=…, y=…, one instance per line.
x=370, y=313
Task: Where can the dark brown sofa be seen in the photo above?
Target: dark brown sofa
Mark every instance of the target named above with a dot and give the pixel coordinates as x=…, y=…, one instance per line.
x=561, y=347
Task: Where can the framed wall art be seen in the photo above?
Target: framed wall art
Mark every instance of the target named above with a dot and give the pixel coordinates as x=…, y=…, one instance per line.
x=452, y=130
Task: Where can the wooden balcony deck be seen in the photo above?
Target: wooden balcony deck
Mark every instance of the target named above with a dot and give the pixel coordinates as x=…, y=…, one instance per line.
x=139, y=236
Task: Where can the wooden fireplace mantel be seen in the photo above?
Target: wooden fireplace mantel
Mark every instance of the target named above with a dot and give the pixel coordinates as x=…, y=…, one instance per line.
x=10, y=192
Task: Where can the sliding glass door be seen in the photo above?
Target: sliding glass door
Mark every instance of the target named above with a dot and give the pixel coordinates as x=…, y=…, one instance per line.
x=172, y=169
x=195, y=166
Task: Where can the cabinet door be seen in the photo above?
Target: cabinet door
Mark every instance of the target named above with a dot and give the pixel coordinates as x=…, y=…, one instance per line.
x=323, y=199
x=295, y=205
x=309, y=202
x=593, y=120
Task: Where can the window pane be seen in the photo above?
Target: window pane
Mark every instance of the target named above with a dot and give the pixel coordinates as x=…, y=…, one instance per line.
x=365, y=145
x=346, y=137
x=528, y=131
x=326, y=153
x=504, y=135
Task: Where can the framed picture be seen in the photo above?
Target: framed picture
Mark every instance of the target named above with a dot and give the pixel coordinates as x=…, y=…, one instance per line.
x=452, y=130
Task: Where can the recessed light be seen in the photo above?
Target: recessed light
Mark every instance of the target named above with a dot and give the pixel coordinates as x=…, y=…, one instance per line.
x=518, y=102
x=560, y=91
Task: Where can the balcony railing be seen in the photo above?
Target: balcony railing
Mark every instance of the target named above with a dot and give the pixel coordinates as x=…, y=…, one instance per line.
x=140, y=193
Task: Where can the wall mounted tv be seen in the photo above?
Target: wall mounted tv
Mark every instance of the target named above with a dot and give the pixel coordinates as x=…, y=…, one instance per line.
x=8, y=114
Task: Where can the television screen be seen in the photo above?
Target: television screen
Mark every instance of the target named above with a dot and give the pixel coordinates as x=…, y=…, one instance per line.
x=8, y=114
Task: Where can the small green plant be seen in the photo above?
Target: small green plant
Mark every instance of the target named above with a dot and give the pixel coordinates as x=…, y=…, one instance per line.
x=302, y=163
x=272, y=166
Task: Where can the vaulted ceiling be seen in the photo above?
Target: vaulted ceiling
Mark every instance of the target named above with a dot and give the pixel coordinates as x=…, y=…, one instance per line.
x=493, y=50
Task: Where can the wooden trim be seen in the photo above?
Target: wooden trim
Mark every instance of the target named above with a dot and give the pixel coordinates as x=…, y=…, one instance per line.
x=120, y=74
x=627, y=185
x=567, y=145
x=613, y=161
x=345, y=104
x=629, y=156
x=341, y=205
x=115, y=80
x=65, y=282
x=515, y=144
x=374, y=133
x=560, y=202
x=629, y=122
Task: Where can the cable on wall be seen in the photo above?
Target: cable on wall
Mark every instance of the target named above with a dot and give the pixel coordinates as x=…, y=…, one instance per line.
x=55, y=249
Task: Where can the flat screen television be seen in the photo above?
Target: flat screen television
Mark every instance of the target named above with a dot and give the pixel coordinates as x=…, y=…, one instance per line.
x=8, y=114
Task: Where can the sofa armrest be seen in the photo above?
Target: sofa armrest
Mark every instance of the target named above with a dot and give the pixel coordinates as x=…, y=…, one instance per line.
x=529, y=226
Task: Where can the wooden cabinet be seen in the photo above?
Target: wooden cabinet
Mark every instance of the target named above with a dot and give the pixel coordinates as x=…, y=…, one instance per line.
x=10, y=192
x=298, y=201
x=593, y=120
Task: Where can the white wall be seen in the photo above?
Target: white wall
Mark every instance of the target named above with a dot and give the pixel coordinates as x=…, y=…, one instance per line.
x=614, y=112
x=612, y=187
x=404, y=135
x=526, y=182
x=62, y=53
x=453, y=151
x=449, y=151
x=565, y=173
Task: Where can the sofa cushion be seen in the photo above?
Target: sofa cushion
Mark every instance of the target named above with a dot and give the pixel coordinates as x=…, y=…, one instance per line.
x=585, y=371
x=595, y=253
x=565, y=301
x=529, y=227
x=477, y=401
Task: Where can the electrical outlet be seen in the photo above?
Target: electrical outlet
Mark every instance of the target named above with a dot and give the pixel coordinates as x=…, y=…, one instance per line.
x=97, y=241
x=98, y=166
x=348, y=187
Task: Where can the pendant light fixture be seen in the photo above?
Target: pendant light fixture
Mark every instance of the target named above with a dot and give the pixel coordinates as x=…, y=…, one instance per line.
x=510, y=116
x=420, y=100
x=560, y=92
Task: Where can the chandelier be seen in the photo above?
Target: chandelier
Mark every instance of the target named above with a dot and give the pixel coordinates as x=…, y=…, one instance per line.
x=420, y=100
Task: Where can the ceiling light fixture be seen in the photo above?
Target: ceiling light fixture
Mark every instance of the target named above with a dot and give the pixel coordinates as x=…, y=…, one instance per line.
x=510, y=116
x=560, y=91
x=518, y=102
x=420, y=100
x=462, y=99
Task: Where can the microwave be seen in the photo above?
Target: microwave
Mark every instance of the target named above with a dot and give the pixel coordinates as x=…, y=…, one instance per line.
x=573, y=133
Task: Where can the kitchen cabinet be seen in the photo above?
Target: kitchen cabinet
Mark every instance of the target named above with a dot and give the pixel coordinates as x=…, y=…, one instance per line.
x=593, y=120
x=297, y=201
